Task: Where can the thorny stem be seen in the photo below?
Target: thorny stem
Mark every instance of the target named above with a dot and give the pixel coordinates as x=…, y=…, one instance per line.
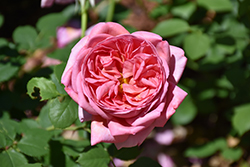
x=110, y=11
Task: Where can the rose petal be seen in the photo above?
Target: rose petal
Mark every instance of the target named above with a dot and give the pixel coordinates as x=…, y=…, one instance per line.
x=110, y=28
x=46, y=3
x=135, y=140
x=149, y=36
x=103, y=89
x=177, y=62
x=163, y=50
x=173, y=100
x=119, y=127
x=83, y=115
x=101, y=133
x=148, y=118
x=73, y=56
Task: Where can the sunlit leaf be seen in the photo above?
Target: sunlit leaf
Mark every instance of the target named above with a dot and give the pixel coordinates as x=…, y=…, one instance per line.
x=48, y=23
x=171, y=27
x=184, y=11
x=216, y=5
x=63, y=114
x=25, y=37
x=196, y=45
x=232, y=153
x=206, y=150
x=46, y=88
x=241, y=119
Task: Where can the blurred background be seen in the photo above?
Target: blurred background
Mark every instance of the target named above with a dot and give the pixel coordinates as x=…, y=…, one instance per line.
x=212, y=125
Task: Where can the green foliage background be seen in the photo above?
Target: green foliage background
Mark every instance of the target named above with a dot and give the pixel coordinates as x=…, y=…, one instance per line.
x=36, y=112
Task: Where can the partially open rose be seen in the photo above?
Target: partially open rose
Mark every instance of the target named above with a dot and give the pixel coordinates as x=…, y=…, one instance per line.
x=125, y=83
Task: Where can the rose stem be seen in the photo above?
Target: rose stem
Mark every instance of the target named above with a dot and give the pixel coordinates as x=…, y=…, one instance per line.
x=84, y=17
x=110, y=11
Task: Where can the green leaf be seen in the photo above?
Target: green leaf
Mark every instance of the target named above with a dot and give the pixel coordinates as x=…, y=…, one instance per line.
x=63, y=114
x=233, y=154
x=216, y=5
x=74, y=148
x=33, y=146
x=1, y=20
x=196, y=45
x=56, y=77
x=94, y=157
x=171, y=27
x=32, y=165
x=47, y=88
x=206, y=150
x=27, y=124
x=184, y=11
x=11, y=158
x=25, y=36
x=3, y=141
x=35, y=142
x=241, y=119
x=124, y=153
x=43, y=118
x=8, y=132
x=70, y=163
x=160, y=10
x=145, y=162
x=48, y=23
x=7, y=71
x=3, y=42
x=185, y=113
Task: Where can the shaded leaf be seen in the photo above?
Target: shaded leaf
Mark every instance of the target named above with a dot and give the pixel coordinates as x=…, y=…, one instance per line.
x=7, y=71
x=1, y=20
x=124, y=153
x=11, y=158
x=185, y=113
x=94, y=157
x=7, y=132
x=34, y=147
x=145, y=162
x=32, y=165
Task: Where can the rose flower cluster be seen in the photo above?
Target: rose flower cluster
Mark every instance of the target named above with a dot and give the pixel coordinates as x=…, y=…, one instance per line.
x=126, y=84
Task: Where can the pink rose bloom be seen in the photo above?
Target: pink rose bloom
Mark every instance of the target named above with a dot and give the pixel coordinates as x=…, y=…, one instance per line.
x=67, y=34
x=125, y=83
x=165, y=138
x=49, y=3
x=165, y=160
